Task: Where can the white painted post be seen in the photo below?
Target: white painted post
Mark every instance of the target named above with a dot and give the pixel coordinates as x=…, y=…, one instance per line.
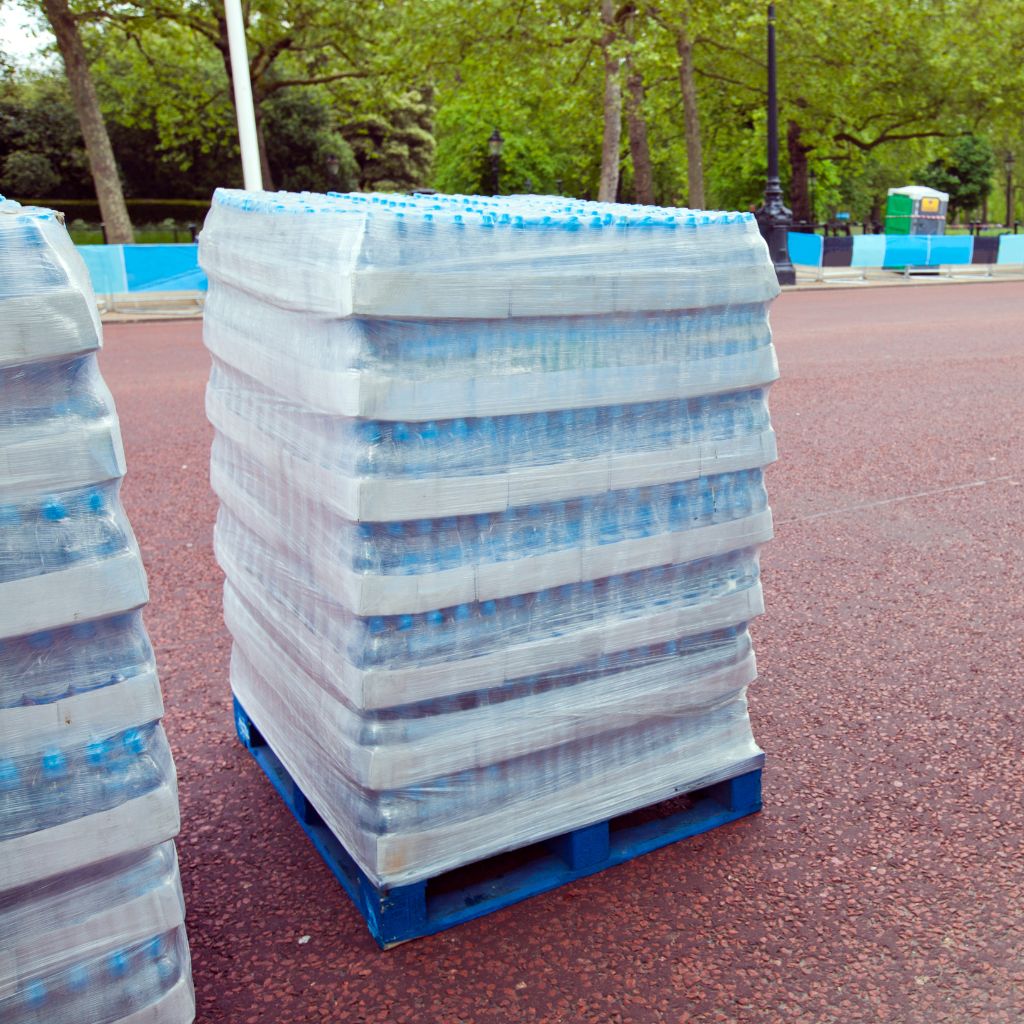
x=251, y=173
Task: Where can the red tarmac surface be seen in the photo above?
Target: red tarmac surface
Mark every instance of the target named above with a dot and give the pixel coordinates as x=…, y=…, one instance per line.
x=884, y=880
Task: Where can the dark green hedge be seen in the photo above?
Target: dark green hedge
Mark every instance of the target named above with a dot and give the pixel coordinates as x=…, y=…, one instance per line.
x=142, y=211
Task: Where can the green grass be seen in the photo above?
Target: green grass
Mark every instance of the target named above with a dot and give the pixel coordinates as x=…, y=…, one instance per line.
x=143, y=235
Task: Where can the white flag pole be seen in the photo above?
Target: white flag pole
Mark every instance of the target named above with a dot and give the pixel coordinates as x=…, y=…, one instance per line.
x=251, y=173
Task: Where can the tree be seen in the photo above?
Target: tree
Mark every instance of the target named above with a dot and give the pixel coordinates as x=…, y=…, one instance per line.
x=965, y=173
x=102, y=164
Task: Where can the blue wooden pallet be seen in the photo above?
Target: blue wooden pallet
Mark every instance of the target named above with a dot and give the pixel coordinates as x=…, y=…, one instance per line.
x=423, y=908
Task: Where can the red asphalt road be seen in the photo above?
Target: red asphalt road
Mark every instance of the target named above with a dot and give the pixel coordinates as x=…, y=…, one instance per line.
x=884, y=880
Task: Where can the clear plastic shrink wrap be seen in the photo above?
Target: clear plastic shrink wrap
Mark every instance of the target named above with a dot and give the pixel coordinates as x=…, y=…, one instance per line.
x=91, y=914
x=490, y=474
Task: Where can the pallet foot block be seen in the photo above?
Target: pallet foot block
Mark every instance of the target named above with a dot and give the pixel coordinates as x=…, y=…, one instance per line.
x=491, y=493
x=91, y=908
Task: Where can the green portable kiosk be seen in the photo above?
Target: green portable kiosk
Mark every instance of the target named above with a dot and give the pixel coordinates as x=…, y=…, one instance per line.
x=916, y=210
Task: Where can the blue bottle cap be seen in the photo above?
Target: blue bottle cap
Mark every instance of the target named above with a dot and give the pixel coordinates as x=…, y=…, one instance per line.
x=96, y=752
x=424, y=527
x=463, y=612
x=488, y=608
x=40, y=641
x=405, y=622
x=400, y=432
x=396, y=529
x=95, y=501
x=365, y=530
x=54, y=763
x=35, y=992
x=83, y=630
x=428, y=430
x=376, y=625
x=78, y=978
x=435, y=618
x=133, y=741
x=54, y=510
x=118, y=963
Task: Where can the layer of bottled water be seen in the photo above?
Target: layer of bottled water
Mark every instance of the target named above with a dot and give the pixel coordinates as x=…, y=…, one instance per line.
x=102, y=978
x=91, y=913
x=491, y=483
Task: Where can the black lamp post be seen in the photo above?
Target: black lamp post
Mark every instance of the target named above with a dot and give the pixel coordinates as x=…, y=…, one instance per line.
x=1008, y=165
x=494, y=146
x=812, y=180
x=773, y=217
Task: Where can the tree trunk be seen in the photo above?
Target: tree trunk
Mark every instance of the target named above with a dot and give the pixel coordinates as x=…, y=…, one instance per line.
x=643, y=175
x=691, y=118
x=799, y=196
x=609, y=186
x=102, y=164
x=261, y=143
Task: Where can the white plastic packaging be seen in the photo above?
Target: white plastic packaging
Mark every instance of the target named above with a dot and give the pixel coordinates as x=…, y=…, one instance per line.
x=491, y=490
x=91, y=913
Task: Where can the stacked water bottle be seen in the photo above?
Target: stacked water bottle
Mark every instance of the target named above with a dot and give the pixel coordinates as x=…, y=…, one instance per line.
x=491, y=490
x=91, y=911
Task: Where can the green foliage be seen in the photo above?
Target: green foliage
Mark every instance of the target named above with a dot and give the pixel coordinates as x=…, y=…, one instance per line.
x=965, y=173
x=301, y=143
x=406, y=95
x=26, y=173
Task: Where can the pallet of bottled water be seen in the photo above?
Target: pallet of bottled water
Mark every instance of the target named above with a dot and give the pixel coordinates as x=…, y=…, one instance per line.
x=91, y=913
x=491, y=485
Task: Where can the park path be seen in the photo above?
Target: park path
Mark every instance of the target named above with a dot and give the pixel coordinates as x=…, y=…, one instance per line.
x=884, y=880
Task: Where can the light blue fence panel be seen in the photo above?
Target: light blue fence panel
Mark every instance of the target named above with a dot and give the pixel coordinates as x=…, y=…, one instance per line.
x=163, y=268
x=868, y=251
x=1011, y=249
x=950, y=249
x=805, y=249
x=105, y=264
x=906, y=250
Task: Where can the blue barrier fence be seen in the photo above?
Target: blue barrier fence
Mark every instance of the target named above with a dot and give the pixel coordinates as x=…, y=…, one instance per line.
x=122, y=269
x=899, y=251
x=119, y=269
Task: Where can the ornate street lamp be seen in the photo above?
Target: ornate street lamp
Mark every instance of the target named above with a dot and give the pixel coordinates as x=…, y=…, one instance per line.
x=495, y=144
x=773, y=217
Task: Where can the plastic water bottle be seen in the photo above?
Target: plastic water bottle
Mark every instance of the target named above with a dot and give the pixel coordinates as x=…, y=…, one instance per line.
x=97, y=791
x=370, y=457
x=486, y=445
x=367, y=554
x=393, y=556
x=589, y=441
x=396, y=455
x=131, y=768
x=51, y=796
x=449, y=544
x=464, y=632
x=37, y=1001
x=13, y=808
x=17, y=545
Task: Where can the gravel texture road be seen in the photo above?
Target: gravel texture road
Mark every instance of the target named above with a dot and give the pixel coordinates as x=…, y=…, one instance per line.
x=884, y=880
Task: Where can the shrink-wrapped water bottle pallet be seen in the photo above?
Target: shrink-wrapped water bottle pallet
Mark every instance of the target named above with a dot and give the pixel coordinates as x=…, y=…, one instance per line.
x=399, y=913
